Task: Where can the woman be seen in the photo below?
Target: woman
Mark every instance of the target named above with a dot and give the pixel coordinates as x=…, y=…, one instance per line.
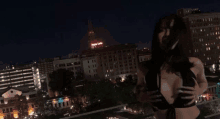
x=171, y=81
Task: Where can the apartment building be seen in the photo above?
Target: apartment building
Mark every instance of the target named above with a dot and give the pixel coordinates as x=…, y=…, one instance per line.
x=204, y=33
x=20, y=77
x=115, y=61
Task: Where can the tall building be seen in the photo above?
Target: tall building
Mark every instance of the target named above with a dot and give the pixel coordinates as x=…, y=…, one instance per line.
x=45, y=67
x=114, y=61
x=20, y=77
x=93, y=40
x=204, y=34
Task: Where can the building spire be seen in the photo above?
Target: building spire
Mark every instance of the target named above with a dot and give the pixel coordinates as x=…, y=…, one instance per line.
x=90, y=26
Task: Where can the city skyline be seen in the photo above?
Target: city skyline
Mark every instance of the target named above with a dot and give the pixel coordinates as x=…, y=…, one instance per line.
x=32, y=30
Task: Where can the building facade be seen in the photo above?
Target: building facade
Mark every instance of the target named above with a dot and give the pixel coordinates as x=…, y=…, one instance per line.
x=8, y=106
x=45, y=67
x=20, y=77
x=144, y=55
x=72, y=64
x=204, y=34
x=90, y=67
x=115, y=61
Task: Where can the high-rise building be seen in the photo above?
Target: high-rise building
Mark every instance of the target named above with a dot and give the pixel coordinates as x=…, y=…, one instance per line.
x=93, y=40
x=113, y=61
x=204, y=33
x=20, y=77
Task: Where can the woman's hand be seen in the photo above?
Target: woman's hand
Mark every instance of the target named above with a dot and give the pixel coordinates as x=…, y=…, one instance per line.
x=148, y=96
x=192, y=92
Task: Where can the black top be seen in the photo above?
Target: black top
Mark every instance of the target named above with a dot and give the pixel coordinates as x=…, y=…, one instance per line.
x=151, y=81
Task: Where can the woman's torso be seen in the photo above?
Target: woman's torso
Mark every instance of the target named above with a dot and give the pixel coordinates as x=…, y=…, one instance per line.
x=169, y=84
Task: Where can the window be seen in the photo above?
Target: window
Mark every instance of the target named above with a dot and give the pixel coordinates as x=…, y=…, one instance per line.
x=10, y=109
x=61, y=65
x=69, y=64
x=59, y=105
x=3, y=110
x=88, y=61
x=67, y=103
x=63, y=104
x=89, y=71
x=76, y=63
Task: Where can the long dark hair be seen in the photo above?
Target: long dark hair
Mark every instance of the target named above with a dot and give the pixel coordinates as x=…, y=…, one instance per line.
x=179, y=60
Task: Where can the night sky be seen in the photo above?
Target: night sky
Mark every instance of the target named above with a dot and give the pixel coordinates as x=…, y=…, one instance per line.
x=32, y=29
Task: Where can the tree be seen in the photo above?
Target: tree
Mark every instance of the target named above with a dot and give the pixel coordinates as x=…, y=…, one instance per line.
x=40, y=102
x=61, y=81
x=21, y=105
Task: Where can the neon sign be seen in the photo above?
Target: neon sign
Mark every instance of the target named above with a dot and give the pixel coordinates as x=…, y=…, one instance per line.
x=94, y=45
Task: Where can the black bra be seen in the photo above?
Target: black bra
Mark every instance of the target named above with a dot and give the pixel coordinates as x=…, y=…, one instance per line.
x=187, y=77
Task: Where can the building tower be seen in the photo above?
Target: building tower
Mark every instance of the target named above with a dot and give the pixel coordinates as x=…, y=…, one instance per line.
x=93, y=40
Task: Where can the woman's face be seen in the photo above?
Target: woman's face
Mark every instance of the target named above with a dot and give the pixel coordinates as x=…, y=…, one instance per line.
x=165, y=31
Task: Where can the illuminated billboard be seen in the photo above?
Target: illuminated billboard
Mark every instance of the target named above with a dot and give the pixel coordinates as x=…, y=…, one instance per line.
x=96, y=45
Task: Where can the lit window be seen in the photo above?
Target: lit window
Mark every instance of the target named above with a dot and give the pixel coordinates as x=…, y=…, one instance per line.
x=207, y=58
x=201, y=30
x=217, y=47
x=215, y=33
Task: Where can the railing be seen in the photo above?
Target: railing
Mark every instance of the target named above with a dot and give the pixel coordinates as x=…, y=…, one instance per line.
x=211, y=89
x=117, y=112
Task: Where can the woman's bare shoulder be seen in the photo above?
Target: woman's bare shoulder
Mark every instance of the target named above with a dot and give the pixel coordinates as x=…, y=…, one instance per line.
x=194, y=59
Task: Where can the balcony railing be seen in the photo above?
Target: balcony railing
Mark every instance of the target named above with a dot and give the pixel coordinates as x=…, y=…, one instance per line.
x=117, y=112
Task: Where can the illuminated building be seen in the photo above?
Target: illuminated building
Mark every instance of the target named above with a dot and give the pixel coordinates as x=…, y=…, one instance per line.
x=7, y=106
x=204, y=33
x=93, y=40
x=20, y=77
x=113, y=61
x=60, y=102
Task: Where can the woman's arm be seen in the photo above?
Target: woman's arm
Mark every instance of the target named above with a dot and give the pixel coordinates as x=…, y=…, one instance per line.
x=201, y=79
